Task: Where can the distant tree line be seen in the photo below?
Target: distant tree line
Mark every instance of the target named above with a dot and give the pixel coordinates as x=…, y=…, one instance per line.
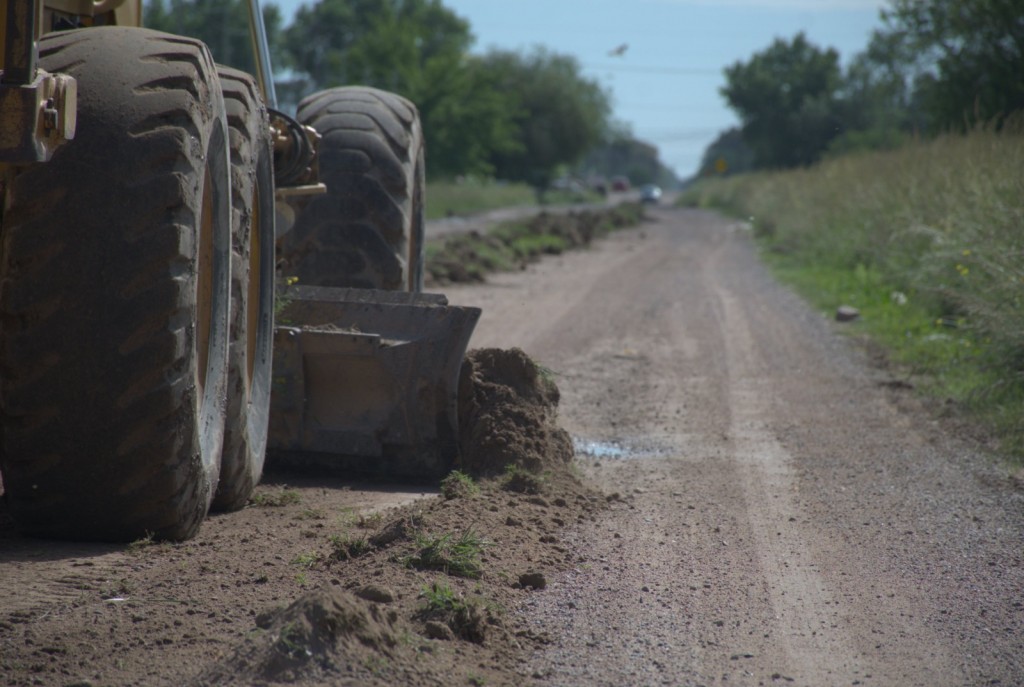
x=936, y=66
x=516, y=116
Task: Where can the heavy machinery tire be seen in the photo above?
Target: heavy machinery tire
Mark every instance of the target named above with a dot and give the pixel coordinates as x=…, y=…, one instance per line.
x=115, y=274
x=367, y=231
x=252, y=290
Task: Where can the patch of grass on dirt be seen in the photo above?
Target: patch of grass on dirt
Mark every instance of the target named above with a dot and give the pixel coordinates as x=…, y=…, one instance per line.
x=521, y=480
x=307, y=559
x=470, y=257
x=458, y=485
x=275, y=498
x=344, y=547
x=143, y=543
x=467, y=618
x=458, y=556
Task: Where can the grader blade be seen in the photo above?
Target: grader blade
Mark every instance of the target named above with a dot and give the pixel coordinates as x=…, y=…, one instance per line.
x=366, y=382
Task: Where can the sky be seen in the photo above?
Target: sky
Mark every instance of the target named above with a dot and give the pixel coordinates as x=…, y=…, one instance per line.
x=665, y=84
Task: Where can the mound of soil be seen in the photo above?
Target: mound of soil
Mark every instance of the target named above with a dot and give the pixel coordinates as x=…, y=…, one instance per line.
x=387, y=608
x=508, y=415
x=469, y=257
x=320, y=634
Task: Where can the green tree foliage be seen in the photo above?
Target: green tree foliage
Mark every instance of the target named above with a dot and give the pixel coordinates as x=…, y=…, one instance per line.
x=968, y=56
x=221, y=24
x=418, y=49
x=560, y=115
x=787, y=97
x=630, y=157
x=727, y=154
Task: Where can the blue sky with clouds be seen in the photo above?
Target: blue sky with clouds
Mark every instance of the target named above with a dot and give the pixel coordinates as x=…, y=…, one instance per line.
x=665, y=84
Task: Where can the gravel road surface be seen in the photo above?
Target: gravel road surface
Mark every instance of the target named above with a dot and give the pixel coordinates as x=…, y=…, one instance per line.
x=789, y=514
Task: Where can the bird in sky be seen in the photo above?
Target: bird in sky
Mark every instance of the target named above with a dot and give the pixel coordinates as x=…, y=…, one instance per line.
x=618, y=51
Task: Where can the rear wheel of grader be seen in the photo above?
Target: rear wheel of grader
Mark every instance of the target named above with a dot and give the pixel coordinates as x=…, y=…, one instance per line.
x=115, y=297
x=252, y=290
x=367, y=231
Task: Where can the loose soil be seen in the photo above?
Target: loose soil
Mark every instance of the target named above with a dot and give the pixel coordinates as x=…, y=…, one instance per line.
x=751, y=502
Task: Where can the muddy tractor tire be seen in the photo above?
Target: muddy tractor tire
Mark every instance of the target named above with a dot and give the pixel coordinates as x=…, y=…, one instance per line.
x=115, y=268
x=367, y=231
x=252, y=290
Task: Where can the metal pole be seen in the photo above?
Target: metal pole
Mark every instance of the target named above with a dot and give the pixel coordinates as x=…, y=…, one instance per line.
x=264, y=72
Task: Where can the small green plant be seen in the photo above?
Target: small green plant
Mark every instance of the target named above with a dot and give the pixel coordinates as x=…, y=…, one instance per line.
x=307, y=560
x=292, y=643
x=142, y=543
x=457, y=556
x=311, y=514
x=344, y=547
x=520, y=480
x=468, y=618
x=275, y=499
x=439, y=599
x=369, y=521
x=458, y=485
x=476, y=680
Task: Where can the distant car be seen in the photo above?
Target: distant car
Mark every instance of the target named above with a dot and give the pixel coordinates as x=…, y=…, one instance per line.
x=650, y=194
x=620, y=184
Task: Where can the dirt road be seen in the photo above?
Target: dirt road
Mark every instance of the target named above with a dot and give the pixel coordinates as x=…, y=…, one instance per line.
x=786, y=514
x=791, y=516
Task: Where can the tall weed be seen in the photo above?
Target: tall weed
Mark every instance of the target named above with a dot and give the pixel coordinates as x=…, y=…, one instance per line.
x=939, y=222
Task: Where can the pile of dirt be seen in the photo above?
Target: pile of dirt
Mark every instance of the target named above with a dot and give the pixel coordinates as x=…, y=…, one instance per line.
x=320, y=634
x=425, y=595
x=470, y=257
x=508, y=415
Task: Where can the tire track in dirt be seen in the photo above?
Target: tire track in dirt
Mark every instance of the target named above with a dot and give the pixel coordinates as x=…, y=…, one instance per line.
x=806, y=618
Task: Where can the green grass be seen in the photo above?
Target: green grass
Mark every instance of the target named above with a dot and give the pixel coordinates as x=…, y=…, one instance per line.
x=344, y=547
x=927, y=241
x=307, y=560
x=275, y=499
x=468, y=618
x=521, y=480
x=449, y=198
x=472, y=196
x=458, y=485
x=458, y=556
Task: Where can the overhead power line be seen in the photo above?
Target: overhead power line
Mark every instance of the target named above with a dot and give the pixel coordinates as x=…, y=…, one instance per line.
x=675, y=71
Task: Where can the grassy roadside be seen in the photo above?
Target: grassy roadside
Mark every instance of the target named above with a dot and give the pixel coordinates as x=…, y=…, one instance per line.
x=927, y=242
x=446, y=198
x=510, y=245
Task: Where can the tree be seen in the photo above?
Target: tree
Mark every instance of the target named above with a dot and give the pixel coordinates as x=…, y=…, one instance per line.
x=559, y=114
x=786, y=96
x=631, y=157
x=727, y=154
x=418, y=49
x=222, y=24
x=968, y=55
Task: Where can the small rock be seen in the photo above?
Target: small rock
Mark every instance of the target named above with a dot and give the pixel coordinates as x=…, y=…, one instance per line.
x=533, y=579
x=513, y=522
x=436, y=630
x=372, y=592
x=847, y=313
